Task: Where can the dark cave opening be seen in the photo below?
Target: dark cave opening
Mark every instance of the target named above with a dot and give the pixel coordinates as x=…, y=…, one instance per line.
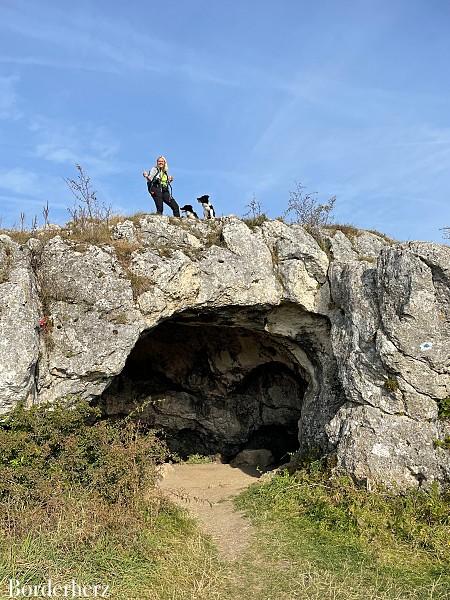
x=212, y=389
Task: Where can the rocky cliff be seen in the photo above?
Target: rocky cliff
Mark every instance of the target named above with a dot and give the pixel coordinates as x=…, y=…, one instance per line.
x=230, y=337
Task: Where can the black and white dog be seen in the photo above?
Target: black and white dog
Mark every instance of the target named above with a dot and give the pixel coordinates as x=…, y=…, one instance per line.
x=208, y=208
x=189, y=211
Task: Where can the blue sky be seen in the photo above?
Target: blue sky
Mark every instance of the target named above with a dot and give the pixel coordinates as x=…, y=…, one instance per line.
x=350, y=98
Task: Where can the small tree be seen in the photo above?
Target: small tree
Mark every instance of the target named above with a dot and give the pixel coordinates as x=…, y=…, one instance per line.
x=446, y=231
x=87, y=212
x=306, y=209
x=254, y=208
x=254, y=215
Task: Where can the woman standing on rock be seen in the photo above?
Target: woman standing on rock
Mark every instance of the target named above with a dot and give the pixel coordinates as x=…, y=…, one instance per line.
x=158, y=184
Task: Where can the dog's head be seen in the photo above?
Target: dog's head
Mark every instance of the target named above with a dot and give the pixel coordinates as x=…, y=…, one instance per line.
x=187, y=208
x=203, y=199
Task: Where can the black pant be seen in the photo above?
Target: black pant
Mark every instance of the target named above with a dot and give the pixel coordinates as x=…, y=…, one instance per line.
x=160, y=195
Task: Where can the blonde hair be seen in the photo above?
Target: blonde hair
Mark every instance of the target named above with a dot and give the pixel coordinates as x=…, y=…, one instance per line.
x=166, y=166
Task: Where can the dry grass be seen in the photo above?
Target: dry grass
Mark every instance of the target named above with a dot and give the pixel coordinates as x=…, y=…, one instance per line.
x=366, y=258
x=352, y=232
x=385, y=237
x=95, y=233
x=124, y=250
x=214, y=236
x=21, y=237
x=349, y=230
x=139, y=284
x=119, y=319
x=159, y=555
x=136, y=218
x=6, y=264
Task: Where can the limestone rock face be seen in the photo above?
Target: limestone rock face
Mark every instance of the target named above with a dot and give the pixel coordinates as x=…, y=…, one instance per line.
x=19, y=316
x=233, y=338
x=392, y=333
x=94, y=323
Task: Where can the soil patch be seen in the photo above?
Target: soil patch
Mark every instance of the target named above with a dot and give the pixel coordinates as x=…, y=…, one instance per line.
x=207, y=492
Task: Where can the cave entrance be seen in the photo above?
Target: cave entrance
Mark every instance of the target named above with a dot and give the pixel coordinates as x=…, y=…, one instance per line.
x=212, y=389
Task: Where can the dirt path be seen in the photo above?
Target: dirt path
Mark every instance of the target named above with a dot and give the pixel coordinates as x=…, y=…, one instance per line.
x=207, y=490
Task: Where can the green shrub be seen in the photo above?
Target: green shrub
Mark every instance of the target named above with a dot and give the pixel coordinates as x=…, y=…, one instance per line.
x=78, y=501
x=444, y=408
x=63, y=448
x=444, y=444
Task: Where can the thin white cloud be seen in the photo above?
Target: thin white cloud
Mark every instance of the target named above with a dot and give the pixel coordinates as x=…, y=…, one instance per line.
x=113, y=46
x=32, y=184
x=56, y=154
x=391, y=151
x=108, y=45
x=42, y=61
x=91, y=146
x=9, y=98
x=19, y=181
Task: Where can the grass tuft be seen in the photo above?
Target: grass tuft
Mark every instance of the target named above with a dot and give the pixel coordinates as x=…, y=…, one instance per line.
x=349, y=230
x=444, y=444
x=254, y=222
x=198, y=459
x=391, y=383
x=444, y=408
